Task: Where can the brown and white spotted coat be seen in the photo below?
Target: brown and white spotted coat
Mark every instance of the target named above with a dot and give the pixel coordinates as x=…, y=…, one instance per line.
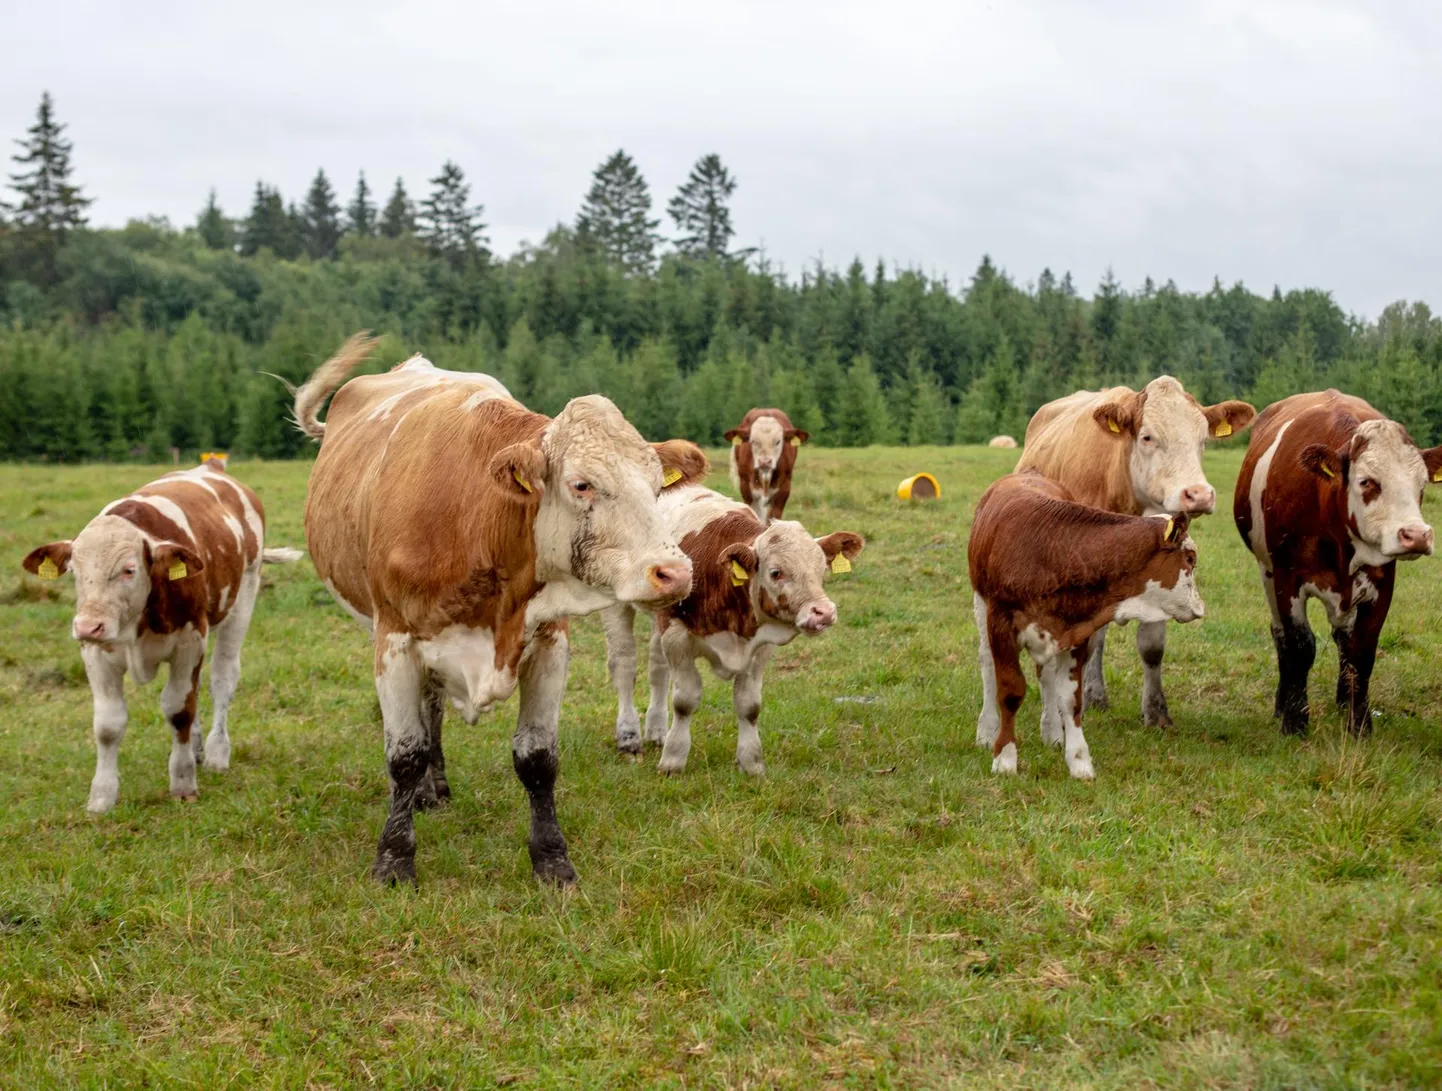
x=465, y=530
x=1046, y=574
x=763, y=456
x=1328, y=500
x=154, y=572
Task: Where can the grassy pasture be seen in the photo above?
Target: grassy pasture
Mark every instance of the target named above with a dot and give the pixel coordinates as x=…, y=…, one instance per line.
x=1222, y=907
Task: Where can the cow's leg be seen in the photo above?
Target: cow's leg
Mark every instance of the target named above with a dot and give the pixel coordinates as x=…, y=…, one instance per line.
x=1296, y=650
x=988, y=723
x=1010, y=691
x=1269, y=589
x=106, y=671
x=1094, y=692
x=659, y=672
x=534, y=749
x=620, y=625
x=399, y=678
x=177, y=702
x=685, y=697
x=1152, y=645
x=746, y=696
x=1067, y=675
x=225, y=671
x=1357, y=653
x=1055, y=714
x=434, y=789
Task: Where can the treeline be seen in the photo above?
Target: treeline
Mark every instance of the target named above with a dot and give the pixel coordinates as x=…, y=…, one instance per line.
x=130, y=342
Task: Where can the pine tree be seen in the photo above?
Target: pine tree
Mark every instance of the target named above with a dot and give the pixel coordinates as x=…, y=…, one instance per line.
x=269, y=226
x=449, y=223
x=701, y=212
x=929, y=407
x=361, y=214
x=215, y=230
x=399, y=217
x=862, y=419
x=615, y=216
x=321, y=218
x=50, y=207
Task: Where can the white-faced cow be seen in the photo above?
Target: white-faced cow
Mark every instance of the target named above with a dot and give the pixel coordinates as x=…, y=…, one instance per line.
x=1046, y=574
x=1328, y=500
x=755, y=587
x=1134, y=453
x=465, y=531
x=763, y=455
x=154, y=572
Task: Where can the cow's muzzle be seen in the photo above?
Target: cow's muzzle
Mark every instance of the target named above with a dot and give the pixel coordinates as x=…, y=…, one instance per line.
x=91, y=630
x=816, y=617
x=1415, y=541
x=1199, y=500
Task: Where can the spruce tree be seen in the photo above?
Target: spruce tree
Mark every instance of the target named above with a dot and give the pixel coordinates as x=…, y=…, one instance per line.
x=49, y=205
x=321, y=219
x=615, y=217
x=214, y=229
x=361, y=214
x=449, y=223
x=399, y=216
x=267, y=226
x=701, y=212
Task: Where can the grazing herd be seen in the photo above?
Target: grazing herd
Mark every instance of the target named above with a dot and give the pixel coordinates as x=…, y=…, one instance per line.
x=464, y=531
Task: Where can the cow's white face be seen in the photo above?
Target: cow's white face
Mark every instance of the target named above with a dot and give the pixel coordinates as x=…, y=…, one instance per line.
x=1386, y=474
x=1173, y=594
x=767, y=440
x=787, y=568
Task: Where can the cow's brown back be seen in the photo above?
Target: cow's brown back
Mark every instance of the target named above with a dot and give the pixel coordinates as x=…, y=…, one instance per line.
x=1064, y=444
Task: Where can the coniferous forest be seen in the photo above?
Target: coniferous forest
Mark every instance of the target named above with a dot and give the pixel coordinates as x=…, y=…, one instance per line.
x=126, y=343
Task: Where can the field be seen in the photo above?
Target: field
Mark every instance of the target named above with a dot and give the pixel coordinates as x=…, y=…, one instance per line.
x=1221, y=907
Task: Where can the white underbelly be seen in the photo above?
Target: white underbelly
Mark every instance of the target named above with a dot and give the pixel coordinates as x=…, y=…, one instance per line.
x=464, y=661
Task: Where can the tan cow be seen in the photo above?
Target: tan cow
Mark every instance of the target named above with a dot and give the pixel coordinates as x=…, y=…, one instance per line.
x=154, y=572
x=465, y=530
x=1134, y=453
x=763, y=456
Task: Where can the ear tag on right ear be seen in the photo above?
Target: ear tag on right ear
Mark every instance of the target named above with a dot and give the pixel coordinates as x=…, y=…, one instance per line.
x=1437, y=476
x=1223, y=429
x=671, y=476
x=735, y=441
x=796, y=441
x=48, y=570
x=739, y=575
x=177, y=570
x=1328, y=471
x=839, y=563
x=1168, y=532
x=521, y=481
x=1114, y=426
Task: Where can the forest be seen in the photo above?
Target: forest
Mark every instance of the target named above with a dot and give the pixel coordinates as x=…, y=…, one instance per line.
x=126, y=343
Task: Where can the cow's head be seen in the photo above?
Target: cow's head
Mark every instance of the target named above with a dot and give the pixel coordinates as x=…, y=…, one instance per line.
x=786, y=567
x=767, y=439
x=1382, y=474
x=116, y=568
x=1170, y=578
x=1167, y=429
x=594, y=482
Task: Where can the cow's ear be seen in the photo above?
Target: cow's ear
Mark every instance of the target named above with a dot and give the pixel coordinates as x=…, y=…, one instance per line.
x=49, y=562
x=174, y=562
x=1174, y=531
x=682, y=463
x=1432, y=456
x=1120, y=417
x=1226, y=418
x=739, y=560
x=737, y=435
x=520, y=470
x=841, y=543
x=796, y=437
x=1322, y=461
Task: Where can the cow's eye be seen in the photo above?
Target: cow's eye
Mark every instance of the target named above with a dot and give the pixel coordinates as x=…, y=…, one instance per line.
x=1146, y=437
x=128, y=572
x=1366, y=483
x=581, y=488
x=776, y=573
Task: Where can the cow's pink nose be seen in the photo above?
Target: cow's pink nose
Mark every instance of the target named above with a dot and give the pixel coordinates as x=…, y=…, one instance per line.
x=1416, y=539
x=89, y=630
x=1199, y=498
x=816, y=617
x=670, y=580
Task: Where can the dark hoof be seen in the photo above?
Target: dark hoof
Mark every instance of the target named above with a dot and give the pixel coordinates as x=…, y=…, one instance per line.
x=394, y=870
x=1162, y=720
x=1294, y=725
x=630, y=746
x=1095, y=700
x=556, y=870
x=185, y=797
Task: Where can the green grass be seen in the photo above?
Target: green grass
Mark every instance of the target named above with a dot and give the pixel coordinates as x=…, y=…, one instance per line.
x=1222, y=907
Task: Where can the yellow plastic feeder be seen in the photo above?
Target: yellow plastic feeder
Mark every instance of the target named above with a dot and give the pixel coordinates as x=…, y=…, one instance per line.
x=919, y=487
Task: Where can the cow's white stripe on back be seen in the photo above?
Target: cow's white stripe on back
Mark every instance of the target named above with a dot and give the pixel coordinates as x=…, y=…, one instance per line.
x=1259, y=486
x=172, y=511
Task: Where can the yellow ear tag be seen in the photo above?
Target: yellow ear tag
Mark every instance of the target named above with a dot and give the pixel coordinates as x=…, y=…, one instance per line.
x=1168, y=532
x=735, y=441
x=1437, y=476
x=671, y=476
x=1114, y=426
x=1329, y=471
x=1223, y=429
x=839, y=563
x=796, y=441
x=521, y=481
x=177, y=570
x=739, y=575
x=48, y=570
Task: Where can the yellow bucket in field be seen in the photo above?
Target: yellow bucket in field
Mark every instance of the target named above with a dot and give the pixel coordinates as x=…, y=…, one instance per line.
x=919, y=487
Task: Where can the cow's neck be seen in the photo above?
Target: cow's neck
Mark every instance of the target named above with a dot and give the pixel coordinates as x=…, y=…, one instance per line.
x=564, y=596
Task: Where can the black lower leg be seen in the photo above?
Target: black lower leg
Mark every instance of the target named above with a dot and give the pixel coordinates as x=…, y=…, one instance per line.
x=396, y=852
x=1297, y=650
x=537, y=772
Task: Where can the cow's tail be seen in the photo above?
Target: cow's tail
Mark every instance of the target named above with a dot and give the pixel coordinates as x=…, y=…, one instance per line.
x=327, y=379
x=281, y=555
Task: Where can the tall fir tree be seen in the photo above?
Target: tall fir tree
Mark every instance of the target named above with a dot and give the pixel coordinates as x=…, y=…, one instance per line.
x=361, y=213
x=615, y=217
x=449, y=223
x=269, y=226
x=399, y=215
x=50, y=206
x=701, y=210
x=321, y=218
x=214, y=227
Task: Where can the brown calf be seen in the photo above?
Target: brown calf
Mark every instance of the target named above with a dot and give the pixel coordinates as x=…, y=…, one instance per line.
x=763, y=454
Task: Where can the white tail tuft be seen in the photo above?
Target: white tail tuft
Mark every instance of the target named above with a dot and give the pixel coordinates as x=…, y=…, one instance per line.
x=327, y=379
x=281, y=555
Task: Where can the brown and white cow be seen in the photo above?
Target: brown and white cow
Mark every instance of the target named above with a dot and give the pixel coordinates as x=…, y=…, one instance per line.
x=755, y=587
x=763, y=455
x=1046, y=574
x=154, y=572
x=1328, y=500
x=465, y=530
x=1134, y=453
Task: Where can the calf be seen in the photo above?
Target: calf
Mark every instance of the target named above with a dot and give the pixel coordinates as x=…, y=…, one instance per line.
x=754, y=588
x=763, y=454
x=1046, y=574
x=154, y=573
x=1328, y=500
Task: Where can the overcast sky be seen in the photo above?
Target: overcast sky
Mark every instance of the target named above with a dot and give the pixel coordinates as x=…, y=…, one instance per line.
x=1271, y=141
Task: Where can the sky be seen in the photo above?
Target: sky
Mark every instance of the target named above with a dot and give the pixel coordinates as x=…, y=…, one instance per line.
x=1273, y=142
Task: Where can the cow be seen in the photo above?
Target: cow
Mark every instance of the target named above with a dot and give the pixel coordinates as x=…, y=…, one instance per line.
x=756, y=586
x=763, y=454
x=1046, y=574
x=1134, y=453
x=1328, y=501
x=464, y=530
x=155, y=571
x=1005, y=442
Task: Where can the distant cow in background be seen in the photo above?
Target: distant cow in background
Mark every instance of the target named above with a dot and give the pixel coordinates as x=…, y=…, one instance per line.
x=1328, y=500
x=1006, y=442
x=1134, y=453
x=154, y=573
x=1046, y=574
x=763, y=454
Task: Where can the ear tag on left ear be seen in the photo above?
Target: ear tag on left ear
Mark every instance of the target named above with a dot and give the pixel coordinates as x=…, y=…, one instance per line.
x=839, y=563
x=671, y=476
x=48, y=570
x=1114, y=426
x=796, y=441
x=1329, y=471
x=1437, y=476
x=1168, y=532
x=1223, y=429
x=177, y=570
x=739, y=575
x=521, y=481
x=735, y=441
